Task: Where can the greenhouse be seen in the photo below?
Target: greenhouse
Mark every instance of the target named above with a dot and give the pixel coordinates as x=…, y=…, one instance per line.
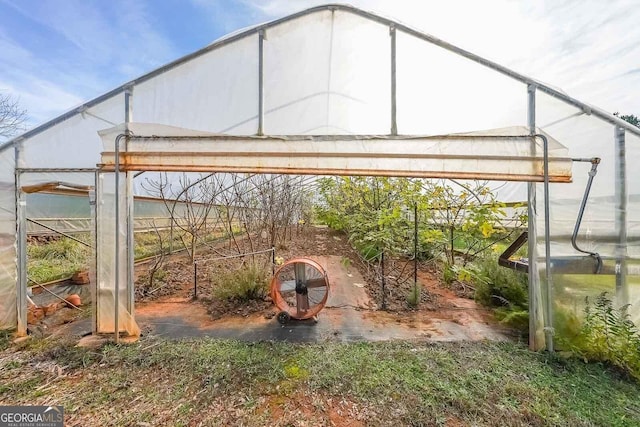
x=335, y=91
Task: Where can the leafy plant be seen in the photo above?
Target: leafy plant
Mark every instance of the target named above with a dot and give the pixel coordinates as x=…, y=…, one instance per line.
x=449, y=275
x=608, y=335
x=469, y=218
x=413, y=298
x=244, y=284
x=498, y=286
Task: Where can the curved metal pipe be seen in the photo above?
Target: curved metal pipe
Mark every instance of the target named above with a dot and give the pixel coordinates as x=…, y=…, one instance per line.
x=574, y=237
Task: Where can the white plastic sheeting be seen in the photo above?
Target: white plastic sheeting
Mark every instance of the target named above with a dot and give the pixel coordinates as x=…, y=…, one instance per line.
x=113, y=287
x=8, y=271
x=501, y=154
x=74, y=142
x=329, y=72
x=587, y=136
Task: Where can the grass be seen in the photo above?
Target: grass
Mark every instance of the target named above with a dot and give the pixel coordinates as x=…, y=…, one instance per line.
x=56, y=259
x=61, y=258
x=227, y=382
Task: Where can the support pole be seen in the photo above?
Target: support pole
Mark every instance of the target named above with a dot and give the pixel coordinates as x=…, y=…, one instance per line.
x=116, y=292
x=273, y=260
x=535, y=342
x=96, y=215
x=261, y=37
x=21, y=231
x=384, y=282
x=622, y=292
x=195, y=280
x=394, y=124
x=129, y=205
x=548, y=327
x=415, y=253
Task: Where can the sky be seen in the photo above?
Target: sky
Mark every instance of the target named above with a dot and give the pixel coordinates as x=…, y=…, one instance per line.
x=54, y=55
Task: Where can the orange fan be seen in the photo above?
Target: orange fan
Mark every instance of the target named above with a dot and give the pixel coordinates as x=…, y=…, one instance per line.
x=299, y=289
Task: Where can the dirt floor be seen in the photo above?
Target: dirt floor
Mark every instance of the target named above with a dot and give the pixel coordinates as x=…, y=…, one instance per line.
x=351, y=313
x=348, y=316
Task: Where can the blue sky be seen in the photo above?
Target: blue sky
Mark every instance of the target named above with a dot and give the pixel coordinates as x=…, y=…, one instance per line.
x=56, y=54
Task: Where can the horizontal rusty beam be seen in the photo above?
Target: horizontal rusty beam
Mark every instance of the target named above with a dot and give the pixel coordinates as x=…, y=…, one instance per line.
x=492, y=157
x=162, y=167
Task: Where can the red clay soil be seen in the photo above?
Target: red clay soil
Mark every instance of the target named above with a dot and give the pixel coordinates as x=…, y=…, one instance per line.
x=442, y=315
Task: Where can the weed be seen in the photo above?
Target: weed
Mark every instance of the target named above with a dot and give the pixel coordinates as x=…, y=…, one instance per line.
x=608, y=335
x=393, y=383
x=345, y=262
x=448, y=274
x=56, y=259
x=514, y=318
x=247, y=283
x=413, y=298
x=499, y=286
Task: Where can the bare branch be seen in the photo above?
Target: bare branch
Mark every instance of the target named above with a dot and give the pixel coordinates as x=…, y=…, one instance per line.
x=12, y=117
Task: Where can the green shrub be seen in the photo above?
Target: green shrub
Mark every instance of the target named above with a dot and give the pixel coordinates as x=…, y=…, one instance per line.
x=448, y=274
x=514, y=318
x=499, y=286
x=368, y=251
x=608, y=335
x=413, y=297
x=247, y=283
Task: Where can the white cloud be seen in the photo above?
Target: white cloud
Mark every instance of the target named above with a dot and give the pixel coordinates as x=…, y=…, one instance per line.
x=106, y=45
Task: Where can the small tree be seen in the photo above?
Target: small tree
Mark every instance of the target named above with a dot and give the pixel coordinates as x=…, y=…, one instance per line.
x=189, y=201
x=374, y=211
x=12, y=116
x=468, y=218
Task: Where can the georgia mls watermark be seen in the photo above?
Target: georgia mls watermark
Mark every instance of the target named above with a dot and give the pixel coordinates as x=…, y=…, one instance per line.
x=31, y=416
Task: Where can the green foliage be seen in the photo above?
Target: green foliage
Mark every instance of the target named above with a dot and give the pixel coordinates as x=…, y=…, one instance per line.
x=608, y=335
x=514, y=318
x=449, y=274
x=63, y=248
x=383, y=383
x=413, y=298
x=469, y=217
x=368, y=252
x=375, y=212
x=504, y=289
x=5, y=339
x=56, y=259
x=498, y=286
x=246, y=283
x=634, y=120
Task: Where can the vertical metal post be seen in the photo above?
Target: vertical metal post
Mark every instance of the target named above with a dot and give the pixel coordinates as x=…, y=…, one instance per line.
x=533, y=277
x=622, y=292
x=415, y=253
x=97, y=251
x=548, y=327
x=261, y=37
x=116, y=292
x=195, y=280
x=384, y=282
x=21, y=231
x=394, y=124
x=273, y=260
x=128, y=118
